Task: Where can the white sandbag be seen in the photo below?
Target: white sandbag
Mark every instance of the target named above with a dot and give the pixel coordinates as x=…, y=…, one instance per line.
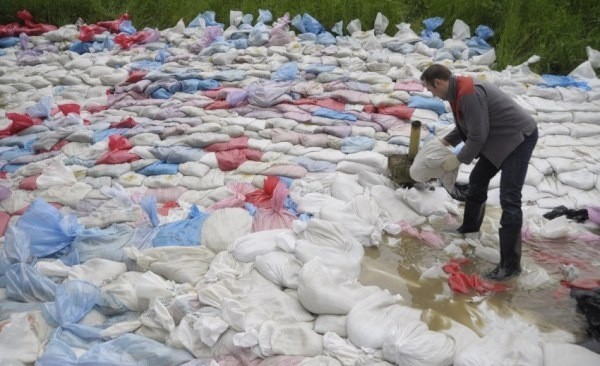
x=566, y=354
x=580, y=179
x=96, y=270
x=326, y=290
x=246, y=248
x=224, y=226
x=395, y=207
x=374, y=317
x=280, y=268
x=345, y=186
x=179, y=264
x=289, y=339
x=346, y=261
x=516, y=344
x=224, y=266
x=23, y=337
x=361, y=216
x=251, y=300
x=163, y=181
x=426, y=202
x=331, y=323
x=55, y=174
x=413, y=344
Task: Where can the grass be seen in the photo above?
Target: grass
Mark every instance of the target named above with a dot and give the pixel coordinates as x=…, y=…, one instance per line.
x=558, y=31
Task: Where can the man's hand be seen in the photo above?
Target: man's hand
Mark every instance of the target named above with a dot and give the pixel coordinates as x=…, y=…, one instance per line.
x=451, y=163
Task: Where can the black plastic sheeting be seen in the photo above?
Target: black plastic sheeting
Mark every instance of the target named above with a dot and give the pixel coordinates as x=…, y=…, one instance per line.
x=588, y=302
x=577, y=215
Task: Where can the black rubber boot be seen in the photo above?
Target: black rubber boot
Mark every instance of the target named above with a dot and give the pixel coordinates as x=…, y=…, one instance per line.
x=510, y=255
x=473, y=217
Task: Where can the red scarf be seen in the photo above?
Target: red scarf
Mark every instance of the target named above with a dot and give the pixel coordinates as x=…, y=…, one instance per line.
x=464, y=86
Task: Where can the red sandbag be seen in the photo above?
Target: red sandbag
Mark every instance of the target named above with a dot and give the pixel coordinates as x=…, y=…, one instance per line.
x=126, y=123
x=118, y=142
x=136, y=76
x=59, y=145
x=19, y=123
x=582, y=283
x=70, y=108
x=97, y=108
x=87, y=32
x=117, y=157
x=254, y=155
x=262, y=197
x=400, y=111
x=29, y=183
x=31, y=28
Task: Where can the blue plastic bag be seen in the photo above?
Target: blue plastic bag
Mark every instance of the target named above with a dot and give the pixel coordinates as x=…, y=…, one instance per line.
x=552, y=81
x=355, y=144
x=311, y=25
x=53, y=231
x=41, y=109
x=101, y=135
x=127, y=27
x=325, y=38
x=183, y=232
x=74, y=299
x=484, y=32
x=22, y=281
x=338, y=28
x=286, y=72
x=264, y=16
x=430, y=37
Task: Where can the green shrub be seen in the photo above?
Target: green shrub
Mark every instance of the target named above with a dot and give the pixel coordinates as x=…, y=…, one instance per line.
x=558, y=31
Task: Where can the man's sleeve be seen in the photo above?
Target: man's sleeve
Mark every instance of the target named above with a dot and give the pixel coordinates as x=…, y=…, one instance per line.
x=453, y=137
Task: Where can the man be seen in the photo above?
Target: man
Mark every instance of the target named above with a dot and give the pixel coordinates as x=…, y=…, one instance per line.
x=502, y=135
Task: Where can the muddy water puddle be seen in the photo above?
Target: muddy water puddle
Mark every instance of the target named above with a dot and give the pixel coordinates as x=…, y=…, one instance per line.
x=397, y=265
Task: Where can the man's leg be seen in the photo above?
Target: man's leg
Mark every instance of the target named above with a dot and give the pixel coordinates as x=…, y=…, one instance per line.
x=514, y=170
x=479, y=181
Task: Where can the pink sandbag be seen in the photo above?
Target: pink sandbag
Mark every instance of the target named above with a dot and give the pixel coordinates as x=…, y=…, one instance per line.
x=235, y=143
x=238, y=198
x=117, y=157
x=4, y=219
x=164, y=195
x=276, y=217
x=594, y=214
x=29, y=183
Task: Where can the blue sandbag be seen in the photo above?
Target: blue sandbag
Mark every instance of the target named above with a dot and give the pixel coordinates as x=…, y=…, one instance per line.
x=433, y=104
x=6, y=42
x=552, y=81
x=264, y=16
x=330, y=113
x=159, y=168
x=101, y=135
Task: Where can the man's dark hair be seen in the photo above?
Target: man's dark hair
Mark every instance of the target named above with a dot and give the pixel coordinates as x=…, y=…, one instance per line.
x=435, y=71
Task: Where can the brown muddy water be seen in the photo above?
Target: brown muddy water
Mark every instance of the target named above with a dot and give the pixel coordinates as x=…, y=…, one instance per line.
x=397, y=266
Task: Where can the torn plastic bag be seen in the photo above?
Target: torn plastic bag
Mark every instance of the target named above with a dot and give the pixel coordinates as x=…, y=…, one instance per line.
x=274, y=217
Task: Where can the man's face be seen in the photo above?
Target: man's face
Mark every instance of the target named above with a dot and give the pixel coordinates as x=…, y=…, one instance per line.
x=437, y=87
